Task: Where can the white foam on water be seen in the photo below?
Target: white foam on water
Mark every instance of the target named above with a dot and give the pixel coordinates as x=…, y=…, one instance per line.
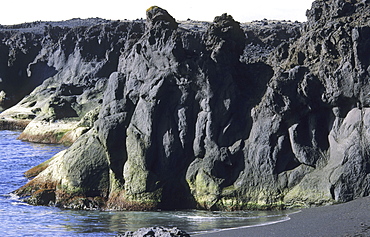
x=20, y=204
x=287, y=218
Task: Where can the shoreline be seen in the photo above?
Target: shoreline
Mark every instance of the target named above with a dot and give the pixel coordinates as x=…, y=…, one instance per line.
x=243, y=227
x=345, y=219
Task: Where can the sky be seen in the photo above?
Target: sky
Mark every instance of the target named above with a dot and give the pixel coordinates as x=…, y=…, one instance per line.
x=20, y=11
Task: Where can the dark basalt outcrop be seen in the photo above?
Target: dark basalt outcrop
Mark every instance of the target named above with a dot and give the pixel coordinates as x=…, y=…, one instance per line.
x=156, y=232
x=70, y=62
x=217, y=115
x=33, y=52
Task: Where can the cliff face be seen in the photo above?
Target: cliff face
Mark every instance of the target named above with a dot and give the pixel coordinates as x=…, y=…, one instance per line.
x=33, y=52
x=218, y=115
x=69, y=63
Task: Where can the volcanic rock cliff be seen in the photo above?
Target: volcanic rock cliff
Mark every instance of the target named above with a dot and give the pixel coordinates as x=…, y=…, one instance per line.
x=221, y=115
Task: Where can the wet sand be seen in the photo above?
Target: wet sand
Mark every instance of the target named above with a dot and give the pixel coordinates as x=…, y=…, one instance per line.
x=347, y=219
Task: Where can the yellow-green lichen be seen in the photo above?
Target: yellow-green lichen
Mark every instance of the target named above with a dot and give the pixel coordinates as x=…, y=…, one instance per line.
x=34, y=171
x=151, y=8
x=205, y=190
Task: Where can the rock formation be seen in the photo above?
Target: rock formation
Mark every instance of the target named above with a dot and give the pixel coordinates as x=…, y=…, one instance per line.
x=217, y=115
x=156, y=232
x=72, y=61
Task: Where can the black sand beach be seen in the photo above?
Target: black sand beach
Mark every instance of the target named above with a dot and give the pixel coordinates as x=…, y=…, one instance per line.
x=347, y=219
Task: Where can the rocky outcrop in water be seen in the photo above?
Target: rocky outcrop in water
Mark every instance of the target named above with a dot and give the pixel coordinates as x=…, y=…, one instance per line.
x=221, y=115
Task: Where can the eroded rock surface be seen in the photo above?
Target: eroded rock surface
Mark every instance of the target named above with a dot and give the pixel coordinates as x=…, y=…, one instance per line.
x=156, y=232
x=57, y=71
x=219, y=115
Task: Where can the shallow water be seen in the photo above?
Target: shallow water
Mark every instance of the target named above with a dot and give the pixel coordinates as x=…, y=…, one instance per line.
x=20, y=219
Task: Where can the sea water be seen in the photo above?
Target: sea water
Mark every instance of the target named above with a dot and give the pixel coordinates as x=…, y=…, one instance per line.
x=20, y=219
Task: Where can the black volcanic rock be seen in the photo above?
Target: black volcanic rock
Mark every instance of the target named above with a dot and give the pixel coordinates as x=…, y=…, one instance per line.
x=23, y=67
x=71, y=62
x=217, y=115
x=159, y=16
x=156, y=232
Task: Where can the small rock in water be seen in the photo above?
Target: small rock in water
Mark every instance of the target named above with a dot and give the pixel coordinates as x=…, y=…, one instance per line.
x=156, y=231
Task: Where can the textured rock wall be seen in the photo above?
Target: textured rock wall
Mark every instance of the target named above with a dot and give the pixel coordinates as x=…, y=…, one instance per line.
x=70, y=63
x=226, y=116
